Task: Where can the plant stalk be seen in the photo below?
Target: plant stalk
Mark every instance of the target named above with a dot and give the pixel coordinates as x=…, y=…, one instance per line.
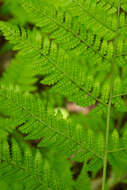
x=110, y=100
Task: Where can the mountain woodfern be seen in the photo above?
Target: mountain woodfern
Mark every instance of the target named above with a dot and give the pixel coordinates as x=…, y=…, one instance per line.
x=62, y=52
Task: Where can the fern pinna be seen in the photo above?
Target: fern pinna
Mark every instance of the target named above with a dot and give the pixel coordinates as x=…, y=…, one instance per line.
x=60, y=52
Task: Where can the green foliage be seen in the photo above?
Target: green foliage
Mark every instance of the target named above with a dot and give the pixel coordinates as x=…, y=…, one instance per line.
x=27, y=168
x=63, y=51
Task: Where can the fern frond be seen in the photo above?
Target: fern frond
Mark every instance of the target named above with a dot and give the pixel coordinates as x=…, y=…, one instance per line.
x=27, y=168
x=26, y=79
x=72, y=33
x=51, y=59
x=96, y=16
x=117, y=151
x=7, y=126
x=67, y=31
x=39, y=124
x=69, y=79
x=83, y=180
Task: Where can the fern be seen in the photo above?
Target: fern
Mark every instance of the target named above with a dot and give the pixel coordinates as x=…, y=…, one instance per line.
x=30, y=165
x=63, y=51
x=73, y=77
x=30, y=111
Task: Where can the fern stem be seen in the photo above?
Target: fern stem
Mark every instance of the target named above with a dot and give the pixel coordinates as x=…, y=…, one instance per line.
x=106, y=141
x=117, y=150
x=118, y=95
x=110, y=101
